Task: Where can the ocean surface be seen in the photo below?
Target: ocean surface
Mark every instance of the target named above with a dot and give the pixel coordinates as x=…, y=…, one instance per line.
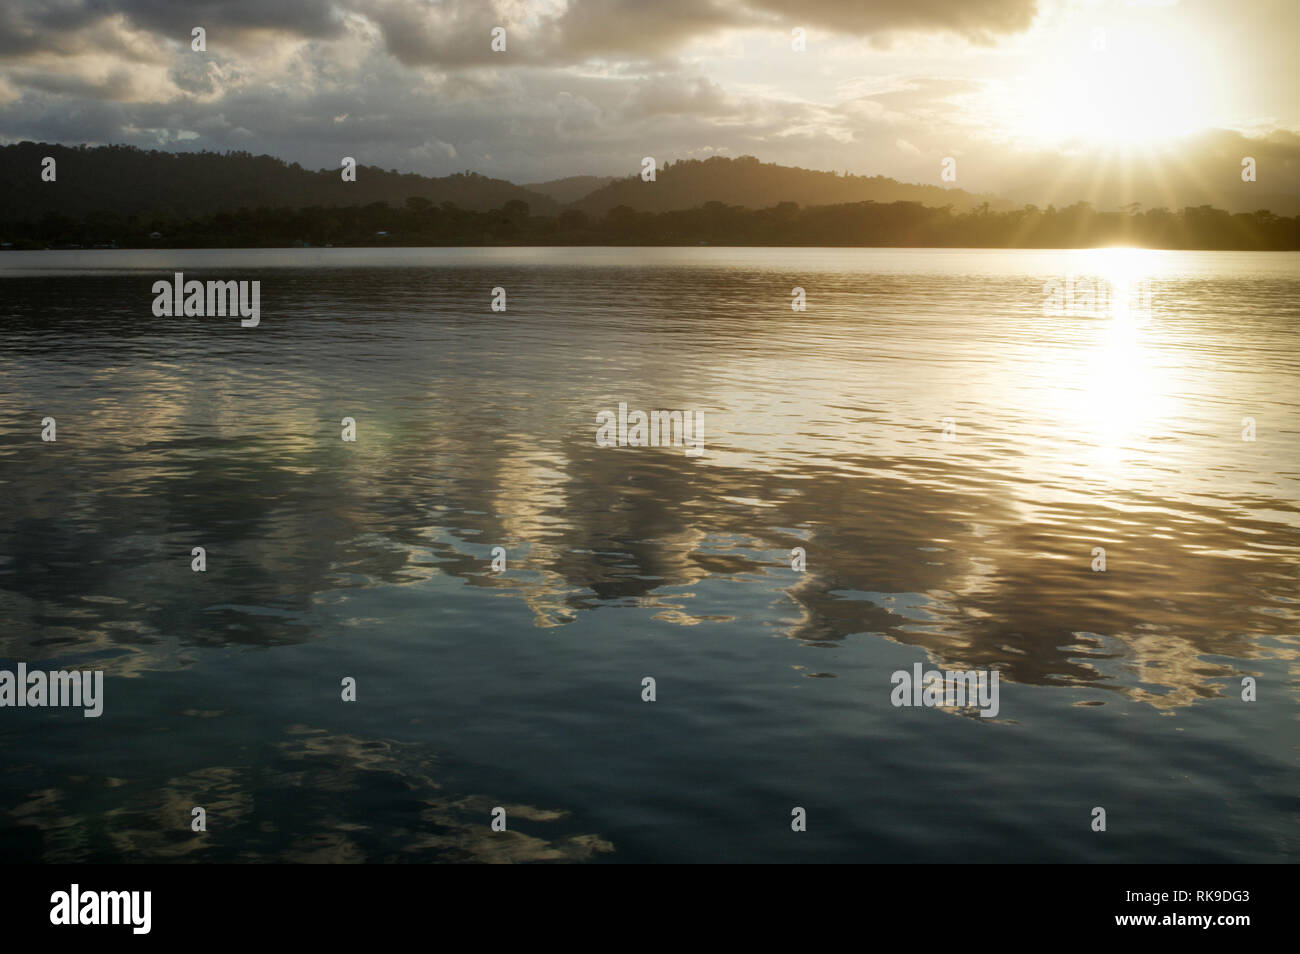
x=944, y=441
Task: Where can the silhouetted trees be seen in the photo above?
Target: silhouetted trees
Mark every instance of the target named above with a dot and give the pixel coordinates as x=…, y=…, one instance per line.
x=136, y=198
x=900, y=224
x=126, y=181
x=417, y=221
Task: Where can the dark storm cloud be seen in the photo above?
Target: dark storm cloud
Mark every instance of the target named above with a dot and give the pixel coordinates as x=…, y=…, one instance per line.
x=455, y=33
x=27, y=27
x=117, y=85
x=306, y=18
x=258, y=80
x=69, y=27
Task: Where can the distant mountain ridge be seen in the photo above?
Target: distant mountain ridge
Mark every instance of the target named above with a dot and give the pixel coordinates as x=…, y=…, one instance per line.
x=570, y=188
x=747, y=182
x=128, y=181
x=124, y=180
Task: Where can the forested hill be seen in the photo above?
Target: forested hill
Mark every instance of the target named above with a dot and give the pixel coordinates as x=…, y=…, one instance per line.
x=751, y=184
x=120, y=196
x=126, y=181
x=900, y=224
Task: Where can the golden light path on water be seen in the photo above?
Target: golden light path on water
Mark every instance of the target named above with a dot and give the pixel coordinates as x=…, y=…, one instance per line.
x=1119, y=392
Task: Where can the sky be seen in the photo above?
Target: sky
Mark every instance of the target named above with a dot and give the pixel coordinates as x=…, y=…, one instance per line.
x=1013, y=90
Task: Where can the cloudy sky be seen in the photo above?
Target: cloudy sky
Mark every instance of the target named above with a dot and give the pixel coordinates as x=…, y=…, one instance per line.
x=590, y=86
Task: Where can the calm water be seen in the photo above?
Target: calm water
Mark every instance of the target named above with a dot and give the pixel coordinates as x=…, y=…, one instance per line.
x=522, y=689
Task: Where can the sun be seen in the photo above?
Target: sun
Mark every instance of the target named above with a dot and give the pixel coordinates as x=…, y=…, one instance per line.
x=1115, y=89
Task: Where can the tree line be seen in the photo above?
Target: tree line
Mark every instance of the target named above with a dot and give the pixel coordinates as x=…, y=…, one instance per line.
x=421, y=222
